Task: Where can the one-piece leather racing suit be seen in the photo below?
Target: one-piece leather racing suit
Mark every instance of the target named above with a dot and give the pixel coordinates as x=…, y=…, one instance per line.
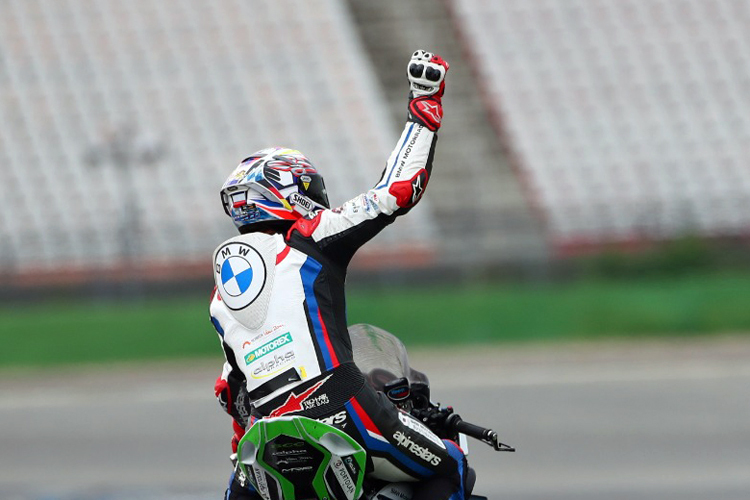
x=283, y=328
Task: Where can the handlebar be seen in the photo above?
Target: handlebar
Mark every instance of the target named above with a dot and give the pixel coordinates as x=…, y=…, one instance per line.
x=488, y=436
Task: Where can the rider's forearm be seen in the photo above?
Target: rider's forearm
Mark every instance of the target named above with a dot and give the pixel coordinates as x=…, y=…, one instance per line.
x=407, y=171
x=410, y=164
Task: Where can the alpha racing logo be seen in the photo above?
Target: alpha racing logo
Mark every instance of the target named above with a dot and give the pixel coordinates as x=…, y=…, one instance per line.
x=420, y=451
x=273, y=366
x=286, y=453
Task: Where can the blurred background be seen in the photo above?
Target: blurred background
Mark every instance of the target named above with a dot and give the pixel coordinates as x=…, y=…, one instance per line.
x=577, y=276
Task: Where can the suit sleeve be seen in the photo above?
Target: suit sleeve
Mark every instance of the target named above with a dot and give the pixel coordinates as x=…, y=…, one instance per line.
x=230, y=388
x=341, y=231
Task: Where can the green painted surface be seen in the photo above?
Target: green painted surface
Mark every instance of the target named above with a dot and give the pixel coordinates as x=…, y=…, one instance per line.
x=78, y=332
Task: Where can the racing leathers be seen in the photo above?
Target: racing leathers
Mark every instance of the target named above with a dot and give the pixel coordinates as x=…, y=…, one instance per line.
x=282, y=320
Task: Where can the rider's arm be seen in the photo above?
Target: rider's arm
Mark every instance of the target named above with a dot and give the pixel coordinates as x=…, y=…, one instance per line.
x=343, y=230
x=230, y=388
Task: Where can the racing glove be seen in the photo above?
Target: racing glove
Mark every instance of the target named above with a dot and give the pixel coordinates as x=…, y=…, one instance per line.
x=426, y=73
x=436, y=419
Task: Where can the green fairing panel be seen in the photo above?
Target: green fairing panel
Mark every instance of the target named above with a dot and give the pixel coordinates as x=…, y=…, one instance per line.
x=295, y=458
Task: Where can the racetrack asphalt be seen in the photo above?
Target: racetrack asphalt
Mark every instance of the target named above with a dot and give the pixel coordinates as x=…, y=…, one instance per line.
x=639, y=420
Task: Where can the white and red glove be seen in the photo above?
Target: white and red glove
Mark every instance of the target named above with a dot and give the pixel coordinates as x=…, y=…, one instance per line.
x=426, y=73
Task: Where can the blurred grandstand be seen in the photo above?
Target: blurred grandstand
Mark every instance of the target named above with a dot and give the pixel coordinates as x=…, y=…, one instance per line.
x=569, y=124
x=627, y=119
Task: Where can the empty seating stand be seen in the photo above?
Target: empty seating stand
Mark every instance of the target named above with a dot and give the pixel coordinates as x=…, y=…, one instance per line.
x=186, y=89
x=629, y=119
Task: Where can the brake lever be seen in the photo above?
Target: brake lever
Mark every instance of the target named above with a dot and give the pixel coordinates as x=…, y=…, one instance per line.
x=487, y=436
x=491, y=440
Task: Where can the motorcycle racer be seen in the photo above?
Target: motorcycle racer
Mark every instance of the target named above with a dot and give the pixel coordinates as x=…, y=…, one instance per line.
x=279, y=304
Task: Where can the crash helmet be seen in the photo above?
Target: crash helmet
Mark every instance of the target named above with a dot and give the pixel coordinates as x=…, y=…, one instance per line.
x=275, y=184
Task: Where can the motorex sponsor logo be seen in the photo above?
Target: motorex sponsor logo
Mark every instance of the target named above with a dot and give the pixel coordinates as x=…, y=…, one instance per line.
x=268, y=347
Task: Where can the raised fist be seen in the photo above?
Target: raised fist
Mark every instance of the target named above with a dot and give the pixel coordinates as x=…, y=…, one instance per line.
x=426, y=73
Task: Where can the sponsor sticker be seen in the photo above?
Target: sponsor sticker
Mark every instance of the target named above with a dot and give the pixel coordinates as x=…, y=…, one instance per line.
x=337, y=419
x=286, y=453
x=249, y=343
x=416, y=449
x=407, y=151
x=302, y=201
x=240, y=274
x=398, y=492
x=287, y=445
x=273, y=365
x=268, y=347
x=311, y=403
x=297, y=469
x=370, y=203
x=420, y=428
x=294, y=460
x=240, y=406
x=352, y=466
x=295, y=402
x=343, y=477
x=260, y=481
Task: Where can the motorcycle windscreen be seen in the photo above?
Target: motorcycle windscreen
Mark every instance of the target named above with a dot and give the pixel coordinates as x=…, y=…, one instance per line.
x=381, y=356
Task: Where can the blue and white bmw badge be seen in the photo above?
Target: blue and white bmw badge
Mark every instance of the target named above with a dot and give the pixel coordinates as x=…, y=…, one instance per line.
x=240, y=274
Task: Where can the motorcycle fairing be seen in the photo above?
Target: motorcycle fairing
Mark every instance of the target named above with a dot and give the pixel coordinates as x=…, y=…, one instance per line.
x=297, y=458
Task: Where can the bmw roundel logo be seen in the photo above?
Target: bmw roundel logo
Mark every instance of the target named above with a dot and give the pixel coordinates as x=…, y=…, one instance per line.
x=240, y=274
x=236, y=276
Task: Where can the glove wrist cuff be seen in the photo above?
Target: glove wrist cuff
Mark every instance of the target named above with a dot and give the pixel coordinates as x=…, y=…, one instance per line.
x=427, y=111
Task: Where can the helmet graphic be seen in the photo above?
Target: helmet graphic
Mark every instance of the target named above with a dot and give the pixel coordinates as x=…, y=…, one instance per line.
x=273, y=184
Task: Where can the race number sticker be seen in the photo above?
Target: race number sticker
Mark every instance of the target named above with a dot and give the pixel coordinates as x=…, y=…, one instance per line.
x=240, y=274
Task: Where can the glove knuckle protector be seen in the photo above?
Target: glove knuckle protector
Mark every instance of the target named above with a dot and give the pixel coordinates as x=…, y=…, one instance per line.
x=426, y=74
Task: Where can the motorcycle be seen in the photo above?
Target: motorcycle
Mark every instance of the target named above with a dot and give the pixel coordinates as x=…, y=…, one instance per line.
x=298, y=458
